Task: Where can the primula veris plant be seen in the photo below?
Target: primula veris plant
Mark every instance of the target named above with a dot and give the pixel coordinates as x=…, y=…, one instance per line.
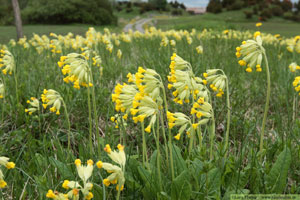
x=74, y=187
x=116, y=171
x=252, y=53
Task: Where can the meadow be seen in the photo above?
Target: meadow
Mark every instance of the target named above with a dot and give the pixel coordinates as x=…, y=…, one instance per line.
x=162, y=115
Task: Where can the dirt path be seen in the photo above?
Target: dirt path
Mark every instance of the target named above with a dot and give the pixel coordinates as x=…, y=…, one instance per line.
x=137, y=25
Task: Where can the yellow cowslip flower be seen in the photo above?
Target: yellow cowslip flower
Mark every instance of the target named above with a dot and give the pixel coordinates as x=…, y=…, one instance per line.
x=293, y=67
x=109, y=47
x=199, y=49
x=97, y=61
x=258, y=24
x=8, y=165
x=3, y=184
x=164, y=42
x=4, y=162
x=56, y=43
x=181, y=120
x=50, y=194
x=34, y=102
x=99, y=164
x=293, y=44
x=119, y=119
x=85, y=172
x=257, y=33
x=173, y=43
x=296, y=84
x=189, y=40
x=148, y=108
x=89, y=196
x=119, y=53
x=76, y=67
x=217, y=81
x=2, y=90
x=116, y=172
x=177, y=137
x=202, y=109
x=65, y=184
x=251, y=51
x=52, y=98
x=56, y=195
x=7, y=61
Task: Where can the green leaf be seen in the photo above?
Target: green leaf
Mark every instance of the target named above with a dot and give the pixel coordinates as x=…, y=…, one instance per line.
x=276, y=179
x=179, y=163
x=150, y=189
x=214, y=182
x=181, y=188
x=62, y=168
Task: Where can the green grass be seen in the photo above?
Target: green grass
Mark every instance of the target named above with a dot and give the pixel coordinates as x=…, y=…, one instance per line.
x=230, y=20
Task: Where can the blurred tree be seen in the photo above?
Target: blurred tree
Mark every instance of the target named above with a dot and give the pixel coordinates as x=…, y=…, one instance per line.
x=214, y=6
x=159, y=4
x=97, y=12
x=18, y=20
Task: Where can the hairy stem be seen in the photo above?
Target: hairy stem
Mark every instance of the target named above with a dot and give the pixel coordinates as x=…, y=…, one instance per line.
x=266, y=106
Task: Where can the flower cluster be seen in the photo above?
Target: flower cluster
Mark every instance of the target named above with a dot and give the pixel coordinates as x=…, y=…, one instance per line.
x=119, y=53
x=123, y=97
x=199, y=49
x=34, y=102
x=52, y=98
x=183, y=80
x=8, y=165
x=296, y=84
x=76, y=67
x=7, y=60
x=116, y=172
x=294, y=67
x=251, y=51
x=141, y=96
x=181, y=120
x=118, y=119
x=202, y=109
x=294, y=44
x=74, y=187
x=216, y=81
x=56, y=44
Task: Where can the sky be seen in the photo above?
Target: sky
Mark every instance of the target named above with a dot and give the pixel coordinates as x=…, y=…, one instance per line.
x=200, y=3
